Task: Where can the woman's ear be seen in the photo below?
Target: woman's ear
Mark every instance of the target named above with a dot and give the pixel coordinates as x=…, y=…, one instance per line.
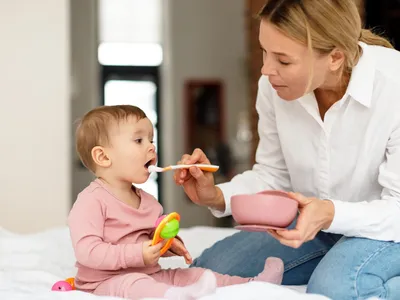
x=100, y=157
x=337, y=58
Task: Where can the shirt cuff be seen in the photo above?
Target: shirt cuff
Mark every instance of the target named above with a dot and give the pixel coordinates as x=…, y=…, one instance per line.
x=340, y=222
x=134, y=255
x=227, y=198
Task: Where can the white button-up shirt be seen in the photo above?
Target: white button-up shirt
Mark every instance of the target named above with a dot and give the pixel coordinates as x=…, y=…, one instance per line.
x=351, y=158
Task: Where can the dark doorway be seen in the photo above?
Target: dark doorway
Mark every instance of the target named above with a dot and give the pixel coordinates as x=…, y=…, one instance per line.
x=384, y=16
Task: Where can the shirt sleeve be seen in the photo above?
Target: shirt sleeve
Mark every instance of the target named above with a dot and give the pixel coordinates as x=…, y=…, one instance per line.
x=377, y=219
x=86, y=222
x=269, y=171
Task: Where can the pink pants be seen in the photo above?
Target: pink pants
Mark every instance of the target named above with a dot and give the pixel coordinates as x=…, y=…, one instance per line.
x=138, y=285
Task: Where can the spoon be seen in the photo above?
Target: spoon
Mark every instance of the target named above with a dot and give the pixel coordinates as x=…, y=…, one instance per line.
x=203, y=167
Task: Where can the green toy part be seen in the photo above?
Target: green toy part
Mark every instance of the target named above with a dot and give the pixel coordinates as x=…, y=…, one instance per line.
x=170, y=229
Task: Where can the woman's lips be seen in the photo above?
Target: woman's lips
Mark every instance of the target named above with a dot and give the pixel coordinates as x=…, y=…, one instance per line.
x=277, y=86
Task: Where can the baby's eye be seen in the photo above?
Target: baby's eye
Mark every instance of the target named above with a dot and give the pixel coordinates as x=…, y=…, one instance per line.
x=138, y=141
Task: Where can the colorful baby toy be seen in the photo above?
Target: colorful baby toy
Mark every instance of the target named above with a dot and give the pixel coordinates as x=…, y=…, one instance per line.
x=167, y=227
x=64, y=285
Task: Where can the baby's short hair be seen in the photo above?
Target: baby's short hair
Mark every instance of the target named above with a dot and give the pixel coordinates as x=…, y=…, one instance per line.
x=93, y=129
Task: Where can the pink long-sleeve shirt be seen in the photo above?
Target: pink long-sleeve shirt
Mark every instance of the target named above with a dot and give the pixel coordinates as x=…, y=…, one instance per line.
x=107, y=234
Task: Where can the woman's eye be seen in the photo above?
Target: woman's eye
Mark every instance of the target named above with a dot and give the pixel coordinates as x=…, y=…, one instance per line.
x=284, y=63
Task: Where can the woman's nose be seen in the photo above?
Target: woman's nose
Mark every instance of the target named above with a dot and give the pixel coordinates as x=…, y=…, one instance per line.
x=268, y=68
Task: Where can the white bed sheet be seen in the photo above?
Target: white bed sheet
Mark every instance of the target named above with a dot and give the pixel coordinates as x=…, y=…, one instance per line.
x=30, y=264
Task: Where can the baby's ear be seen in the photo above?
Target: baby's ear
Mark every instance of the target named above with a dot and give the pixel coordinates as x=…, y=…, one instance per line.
x=100, y=157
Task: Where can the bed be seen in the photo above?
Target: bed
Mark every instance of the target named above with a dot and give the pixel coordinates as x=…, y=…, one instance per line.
x=30, y=264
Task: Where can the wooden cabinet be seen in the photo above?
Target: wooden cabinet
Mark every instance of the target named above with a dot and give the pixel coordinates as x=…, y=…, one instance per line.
x=254, y=64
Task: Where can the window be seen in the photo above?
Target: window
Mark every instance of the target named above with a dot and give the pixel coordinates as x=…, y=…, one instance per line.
x=130, y=54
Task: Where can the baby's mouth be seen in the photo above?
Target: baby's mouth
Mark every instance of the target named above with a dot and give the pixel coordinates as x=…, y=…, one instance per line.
x=149, y=163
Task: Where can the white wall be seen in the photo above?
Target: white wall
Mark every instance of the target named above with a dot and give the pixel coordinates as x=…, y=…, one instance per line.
x=202, y=39
x=35, y=114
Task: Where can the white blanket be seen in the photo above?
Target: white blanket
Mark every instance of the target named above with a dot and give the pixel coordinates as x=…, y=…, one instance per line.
x=30, y=264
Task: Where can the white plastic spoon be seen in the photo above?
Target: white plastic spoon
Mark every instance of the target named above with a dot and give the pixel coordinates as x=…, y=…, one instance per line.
x=203, y=167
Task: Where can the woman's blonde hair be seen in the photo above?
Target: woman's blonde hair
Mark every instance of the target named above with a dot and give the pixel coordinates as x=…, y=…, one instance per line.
x=323, y=25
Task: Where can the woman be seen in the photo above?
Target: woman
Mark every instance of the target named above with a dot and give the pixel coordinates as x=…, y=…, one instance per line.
x=329, y=127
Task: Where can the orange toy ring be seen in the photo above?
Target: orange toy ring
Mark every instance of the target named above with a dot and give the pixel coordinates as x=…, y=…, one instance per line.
x=71, y=281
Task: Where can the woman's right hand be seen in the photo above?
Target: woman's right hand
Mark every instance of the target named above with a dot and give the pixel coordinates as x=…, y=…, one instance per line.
x=199, y=185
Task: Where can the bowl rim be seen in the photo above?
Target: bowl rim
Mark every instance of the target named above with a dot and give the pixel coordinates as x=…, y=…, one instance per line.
x=267, y=193
x=275, y=192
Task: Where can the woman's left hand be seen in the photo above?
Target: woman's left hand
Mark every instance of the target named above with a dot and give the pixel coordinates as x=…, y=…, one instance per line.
x=178, y=249
x=315, y=215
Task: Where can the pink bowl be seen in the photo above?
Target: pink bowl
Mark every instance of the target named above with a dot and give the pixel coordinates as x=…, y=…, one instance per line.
x=269, y=208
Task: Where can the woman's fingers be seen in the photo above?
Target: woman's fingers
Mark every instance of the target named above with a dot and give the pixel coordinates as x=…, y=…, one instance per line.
x=303, y=201
x=199, y=176
x=274, y=234
x=181, y=174
x=283, y=241
x=291, y=234
x=197, y=157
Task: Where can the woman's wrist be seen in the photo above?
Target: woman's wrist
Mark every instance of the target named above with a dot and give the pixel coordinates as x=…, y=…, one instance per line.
x=329, y=213
x=218, y=202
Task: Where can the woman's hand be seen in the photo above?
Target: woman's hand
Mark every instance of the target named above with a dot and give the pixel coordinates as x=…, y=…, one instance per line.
x=315, y=215
x=199, y=185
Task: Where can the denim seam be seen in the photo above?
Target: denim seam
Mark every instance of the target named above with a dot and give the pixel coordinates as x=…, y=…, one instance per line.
x=304, y=259
x=364, y=263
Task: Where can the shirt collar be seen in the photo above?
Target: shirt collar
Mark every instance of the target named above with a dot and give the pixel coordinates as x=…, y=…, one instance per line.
x=361, y=83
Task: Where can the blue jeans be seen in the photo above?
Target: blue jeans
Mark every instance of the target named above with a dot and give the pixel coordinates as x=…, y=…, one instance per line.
x=334, y=266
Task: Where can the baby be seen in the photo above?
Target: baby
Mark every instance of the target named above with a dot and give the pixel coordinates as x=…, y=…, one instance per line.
x=112, y=222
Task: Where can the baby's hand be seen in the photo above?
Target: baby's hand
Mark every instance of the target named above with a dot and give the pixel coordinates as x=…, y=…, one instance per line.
x=179, y=249
x=151, y=254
